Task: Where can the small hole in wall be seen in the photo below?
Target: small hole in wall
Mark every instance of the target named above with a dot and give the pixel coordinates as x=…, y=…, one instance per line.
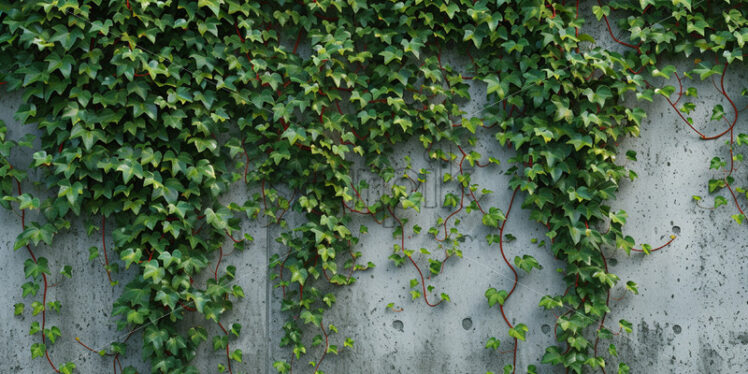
x=467, y=323
x=677, y=329
x=612, y=261
x=676, y=230
x=545, y=328
x=398, y=325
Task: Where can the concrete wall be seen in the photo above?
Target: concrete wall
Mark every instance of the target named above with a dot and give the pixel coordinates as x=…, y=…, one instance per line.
x=688, y=318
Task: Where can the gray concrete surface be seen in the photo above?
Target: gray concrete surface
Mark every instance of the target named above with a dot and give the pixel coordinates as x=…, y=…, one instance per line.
x=688, y=318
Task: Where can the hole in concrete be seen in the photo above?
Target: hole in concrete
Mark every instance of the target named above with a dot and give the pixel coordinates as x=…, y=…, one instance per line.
x=676, y=230
x=467, y=323
x=677, y=329
x=612, y=261
x=545, y=328
x=398, y=325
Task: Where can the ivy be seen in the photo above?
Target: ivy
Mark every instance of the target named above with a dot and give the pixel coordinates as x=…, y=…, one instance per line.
x=148, y=112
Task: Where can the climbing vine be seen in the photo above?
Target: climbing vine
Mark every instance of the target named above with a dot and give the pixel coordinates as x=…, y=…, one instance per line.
x=148, y=112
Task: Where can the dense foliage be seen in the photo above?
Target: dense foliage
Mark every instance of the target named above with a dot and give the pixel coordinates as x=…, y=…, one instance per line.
x=149, y=111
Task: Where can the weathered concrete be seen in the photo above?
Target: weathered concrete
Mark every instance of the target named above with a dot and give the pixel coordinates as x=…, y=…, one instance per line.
x=688, y=318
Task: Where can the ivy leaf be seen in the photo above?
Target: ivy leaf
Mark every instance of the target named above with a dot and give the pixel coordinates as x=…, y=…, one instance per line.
x=413, y=201
x=155, y=337
x=236, y=355
x=496, y=86
x=493, y=296
x=53, y=333
x=549, y=302
x=608, y=279
x=213, y=5
x=67, y=271
x=518, y=331
x=37, y=350
x=719, y=201
x=632, y=286
x=174, y=344
x=493, y=217
x=36, y=269
x=626, y=325
x=167, y=299
x=623, y=368
x=527, y=263
x=152, y=271
x=30, y=288
x=69, y=368
x=705, y=71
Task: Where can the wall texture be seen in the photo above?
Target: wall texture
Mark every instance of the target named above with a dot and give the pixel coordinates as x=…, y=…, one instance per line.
x=688, y=318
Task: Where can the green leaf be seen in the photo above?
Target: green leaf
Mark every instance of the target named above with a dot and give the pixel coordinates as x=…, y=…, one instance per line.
x=37, y=350
x=718, y=112
x=236, y=355
x=18, y=309
x=518, y=331
x=632, y=286
x=30, y=288
x=552, y=356
x=93, y=253
x=67, y=271
x=495, y=297
x=213, y=5
x=739, y=218
x=493, y=217
x=35, y=269
x=155, y=337
x=626, y=325
x=549, y=302
x=623, y=368
x=493, y=343
x=174, y=344
x=719, y=201
x=413, y=201
x=527, y=263
x=152, y=271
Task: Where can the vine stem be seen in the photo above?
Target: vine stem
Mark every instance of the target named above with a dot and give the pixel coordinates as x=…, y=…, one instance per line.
x=516, y=277
x=402, y=248
x=44, y=279
x=327, y=344
x=103, y=243
x=607, y=303
x=723, y=92
x=672, y=238
x=610, y=32
x=215, y=277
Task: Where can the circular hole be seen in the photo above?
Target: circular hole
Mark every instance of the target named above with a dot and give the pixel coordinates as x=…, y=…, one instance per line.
x=545, y=328
x=612, y=261
x=676, y=230
x=677, y=329
x=467, y=323
x=398, y=325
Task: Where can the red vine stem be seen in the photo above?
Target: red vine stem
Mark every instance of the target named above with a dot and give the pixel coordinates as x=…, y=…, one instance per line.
x=327, y=344
x=215, y=277
x=44, y=278
x=228, y=357
x=402, y=248
x=723, y=92
x=103, y=243
x=77, y=339
x=672, y=237
x=231, y=237
x=220, y=257
x=610, y=32
x=516, y=277
x=607, y=302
